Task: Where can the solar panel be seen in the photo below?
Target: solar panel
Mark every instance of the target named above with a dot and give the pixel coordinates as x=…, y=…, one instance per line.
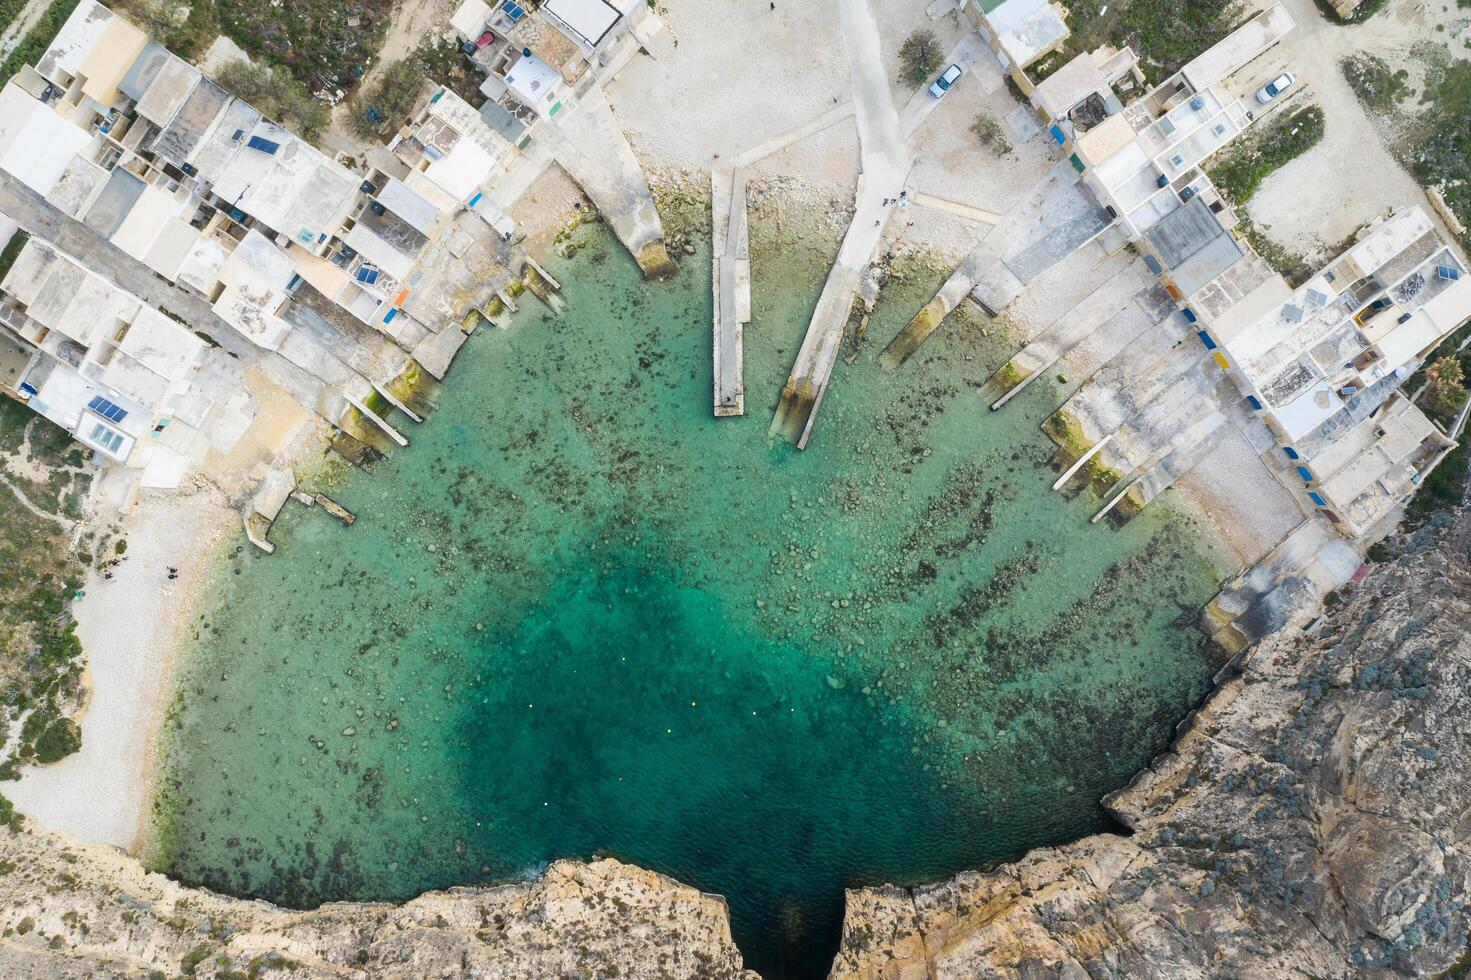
x=262, y=144
x=1448, y=272
x=1316, y=298
x=107, y=409
x=1292, y=313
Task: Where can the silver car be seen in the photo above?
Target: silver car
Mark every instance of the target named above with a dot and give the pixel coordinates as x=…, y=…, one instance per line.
x=942, y=84
x=1275, y=87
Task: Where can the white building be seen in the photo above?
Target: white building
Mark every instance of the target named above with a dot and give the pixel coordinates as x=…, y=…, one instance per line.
x=1321, y=364
x=1143, y=161
x=120, y=376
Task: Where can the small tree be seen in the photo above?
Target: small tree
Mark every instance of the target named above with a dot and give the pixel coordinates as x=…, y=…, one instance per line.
x=395, y=91
x=58, y=741
x=1447, y=385
x=990, y=133
x=920, y=55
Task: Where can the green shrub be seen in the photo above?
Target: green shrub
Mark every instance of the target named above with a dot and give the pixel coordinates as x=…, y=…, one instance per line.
x=12, y=819
x=1372, y=80
x=1443, y=488
x=12, y=251
x=35, y=43
x=276, y=94
x=990, y=133
x=383, y=105
x=1251, y=160
x=1441, y=156
x=58, y=741
x=1168, y=33
x=1447, y=386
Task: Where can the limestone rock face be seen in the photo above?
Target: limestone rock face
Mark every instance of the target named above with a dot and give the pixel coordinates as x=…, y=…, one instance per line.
x=74, y=910
x=1314, y=822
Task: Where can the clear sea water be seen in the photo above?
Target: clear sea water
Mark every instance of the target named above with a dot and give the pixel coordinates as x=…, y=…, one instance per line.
x=579, y=616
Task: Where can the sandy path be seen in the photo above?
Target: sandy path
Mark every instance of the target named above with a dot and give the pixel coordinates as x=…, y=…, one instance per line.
x=411, y=23
x=130, y=627
x=22, y=25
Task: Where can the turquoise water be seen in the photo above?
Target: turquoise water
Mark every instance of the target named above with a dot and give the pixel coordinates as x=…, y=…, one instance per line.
x=580, y=616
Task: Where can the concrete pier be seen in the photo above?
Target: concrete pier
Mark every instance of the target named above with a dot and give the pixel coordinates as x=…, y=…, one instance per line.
x=802, y=395
x=885, y=160
x=731, y=281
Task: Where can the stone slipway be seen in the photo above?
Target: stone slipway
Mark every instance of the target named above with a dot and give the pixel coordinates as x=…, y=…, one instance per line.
x=589, y=144
x=731, y=281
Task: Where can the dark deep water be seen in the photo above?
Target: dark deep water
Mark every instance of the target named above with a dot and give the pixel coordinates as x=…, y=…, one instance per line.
x=579, y=616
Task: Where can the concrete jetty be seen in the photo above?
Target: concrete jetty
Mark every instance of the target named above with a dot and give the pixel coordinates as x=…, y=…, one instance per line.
x=886, y=159
x=885, y=163
x=802, y=395
x=731, y=282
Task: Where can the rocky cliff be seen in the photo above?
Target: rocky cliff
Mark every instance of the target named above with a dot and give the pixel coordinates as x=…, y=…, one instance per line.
x=70, y=910
x=1314, y=821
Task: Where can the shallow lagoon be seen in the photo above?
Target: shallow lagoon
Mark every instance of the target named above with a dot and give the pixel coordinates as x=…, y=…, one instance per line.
x=580, y=616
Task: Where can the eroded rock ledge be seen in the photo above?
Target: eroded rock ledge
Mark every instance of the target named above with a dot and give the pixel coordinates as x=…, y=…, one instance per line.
x=1314, y=822
x=72, y=910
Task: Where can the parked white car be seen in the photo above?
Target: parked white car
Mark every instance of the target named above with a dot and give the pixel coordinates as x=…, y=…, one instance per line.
x=943, y=83
x=1275, y=87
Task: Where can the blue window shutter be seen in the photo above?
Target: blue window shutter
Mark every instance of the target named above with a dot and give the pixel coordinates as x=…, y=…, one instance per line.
x=1254, y=402
x=1291, y=453
x=1058, y=135
x=1318, y=499
x=1305, y=473
x=1205, y=338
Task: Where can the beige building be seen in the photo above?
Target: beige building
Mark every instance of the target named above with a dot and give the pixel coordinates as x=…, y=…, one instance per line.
x=1019, y=32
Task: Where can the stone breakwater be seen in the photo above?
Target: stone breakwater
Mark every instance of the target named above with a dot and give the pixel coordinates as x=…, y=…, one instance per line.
x=73, y=910
x=1314, y=821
